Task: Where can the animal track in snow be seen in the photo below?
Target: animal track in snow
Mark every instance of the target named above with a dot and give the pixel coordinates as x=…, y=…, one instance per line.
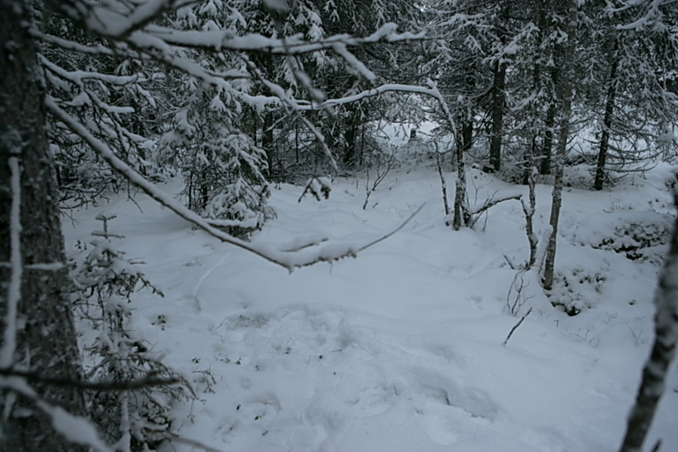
x=446, y=411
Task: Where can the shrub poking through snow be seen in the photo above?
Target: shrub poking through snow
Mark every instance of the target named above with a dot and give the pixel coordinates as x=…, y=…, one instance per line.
x=131, y=420
x=640, y=235
x=576, y=290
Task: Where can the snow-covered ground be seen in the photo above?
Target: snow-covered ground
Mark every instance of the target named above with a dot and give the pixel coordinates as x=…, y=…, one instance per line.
x=401, y=349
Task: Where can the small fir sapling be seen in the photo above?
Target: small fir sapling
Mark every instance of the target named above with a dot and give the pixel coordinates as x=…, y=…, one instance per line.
x=132, y=420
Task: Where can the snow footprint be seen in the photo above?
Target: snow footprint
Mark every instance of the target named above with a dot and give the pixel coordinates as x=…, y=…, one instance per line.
x=447, y=412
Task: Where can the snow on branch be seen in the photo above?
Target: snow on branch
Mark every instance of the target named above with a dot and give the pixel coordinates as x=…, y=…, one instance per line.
x=493, y=201
x=329, y=252
x=77, y=77
x=75, y=429
x=72, y=45
x=116, y=19
x=223, y=40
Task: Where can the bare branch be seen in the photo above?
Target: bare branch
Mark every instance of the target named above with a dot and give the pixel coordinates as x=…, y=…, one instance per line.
x=478, y=210
x=384, y=237
x=515, y=327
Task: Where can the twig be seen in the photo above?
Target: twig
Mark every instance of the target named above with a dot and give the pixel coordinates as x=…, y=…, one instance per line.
x=515, y=327
x=443, y=183
x=384, y=237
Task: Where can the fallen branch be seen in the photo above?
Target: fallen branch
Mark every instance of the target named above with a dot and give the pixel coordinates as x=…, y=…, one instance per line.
x=515, y=327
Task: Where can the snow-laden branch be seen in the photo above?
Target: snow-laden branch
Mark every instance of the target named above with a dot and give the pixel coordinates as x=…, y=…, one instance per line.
x=16, y=266
x=78, y=77
x=72, y=45
x=223, y=40
x=329, y=252
x=652, y=15
x=74, y=428
x=493, y=201
x=431, y=91
x=117, y=18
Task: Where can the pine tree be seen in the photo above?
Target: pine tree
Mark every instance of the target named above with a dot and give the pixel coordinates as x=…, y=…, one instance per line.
x=36, y=321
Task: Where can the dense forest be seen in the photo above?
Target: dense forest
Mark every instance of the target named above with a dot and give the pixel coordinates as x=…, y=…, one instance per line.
x=210, y=107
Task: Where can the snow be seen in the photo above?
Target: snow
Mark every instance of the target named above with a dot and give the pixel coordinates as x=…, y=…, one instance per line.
x=401, y=348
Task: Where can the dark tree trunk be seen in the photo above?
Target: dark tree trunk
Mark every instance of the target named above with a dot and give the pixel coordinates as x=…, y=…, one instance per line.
x=45, y=341
x=267, y=140
x=607, y=124
x=498, y=106
x=351, y=137
x=467, y=136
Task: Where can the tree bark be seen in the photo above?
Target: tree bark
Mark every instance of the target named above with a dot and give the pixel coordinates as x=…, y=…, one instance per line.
x=607, y=124
x=498, y=106
x=663, y=352
x=41, y=336
x=462, y=140
x=565, y=90
x=547, y=144
x=267, y=141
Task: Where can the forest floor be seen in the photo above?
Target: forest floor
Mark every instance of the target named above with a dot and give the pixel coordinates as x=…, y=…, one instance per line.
x=401, y=349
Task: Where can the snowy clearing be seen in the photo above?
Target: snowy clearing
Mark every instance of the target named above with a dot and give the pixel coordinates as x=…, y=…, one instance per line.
x=401, y=348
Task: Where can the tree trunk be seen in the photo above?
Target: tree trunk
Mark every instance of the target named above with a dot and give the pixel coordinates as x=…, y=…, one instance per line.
x=462, y=141
x=663, y=352
x=498, y=106
x=547, y=145
x=565, y=90
x=36, y=321
x=267, y=141
x=607, y=124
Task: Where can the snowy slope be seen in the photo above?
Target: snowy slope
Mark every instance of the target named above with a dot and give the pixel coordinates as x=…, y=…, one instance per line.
x=400, y=349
